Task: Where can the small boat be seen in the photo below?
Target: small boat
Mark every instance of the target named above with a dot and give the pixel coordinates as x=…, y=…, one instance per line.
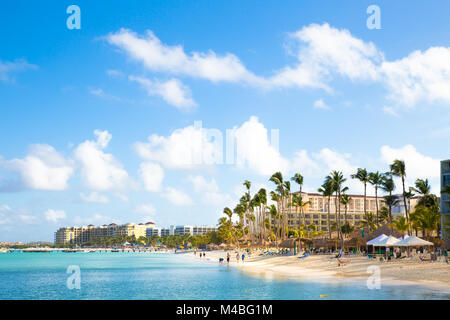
x=4, y=250
x=115, y=250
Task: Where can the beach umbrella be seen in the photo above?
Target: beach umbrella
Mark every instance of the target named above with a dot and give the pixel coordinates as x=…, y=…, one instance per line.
x=413, y=241
x=377, y=239
x=387, y=242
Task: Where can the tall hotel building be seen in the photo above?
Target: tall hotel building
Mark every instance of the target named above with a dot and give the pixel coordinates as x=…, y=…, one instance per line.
x=80, y=235
x=317, y=212
x=445, y=200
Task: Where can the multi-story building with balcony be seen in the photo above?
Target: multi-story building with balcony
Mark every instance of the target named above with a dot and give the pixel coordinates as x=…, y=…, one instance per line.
x=84, y=234
x=445, y=200
x=318, y=213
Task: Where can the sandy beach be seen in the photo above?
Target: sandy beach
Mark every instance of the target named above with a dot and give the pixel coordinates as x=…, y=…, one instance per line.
x=326, y=268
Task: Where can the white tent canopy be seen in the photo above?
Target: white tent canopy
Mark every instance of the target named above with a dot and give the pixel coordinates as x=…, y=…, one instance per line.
x=413, y=241
x=403, y=237
x=377, y=239
x=387, y=242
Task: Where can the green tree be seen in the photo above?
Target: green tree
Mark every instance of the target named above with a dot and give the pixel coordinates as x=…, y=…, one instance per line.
x=363, y=176
x=327, y=191
x=398, y=169
x=376, y=179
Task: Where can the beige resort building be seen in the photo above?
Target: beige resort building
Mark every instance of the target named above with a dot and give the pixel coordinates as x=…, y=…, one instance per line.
x=79, y=235
x=317, y=212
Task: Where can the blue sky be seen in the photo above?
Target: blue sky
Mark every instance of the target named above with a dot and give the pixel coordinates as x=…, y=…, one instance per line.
x=78, y=106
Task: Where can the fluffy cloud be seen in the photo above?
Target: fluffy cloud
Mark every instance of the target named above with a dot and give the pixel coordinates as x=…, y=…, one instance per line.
x=185, y=148
x=94, y=197
x=100, y=170
x=172, y=91
x=421, y=76
x=177, y=197
x=209, y=191
x=322, y=52
x=54, y=215
x=159, y=57
x=417, y=164
x=319, y=104
x=152, y=174
x=8, y=68
x=254, y=151
x=42, y=169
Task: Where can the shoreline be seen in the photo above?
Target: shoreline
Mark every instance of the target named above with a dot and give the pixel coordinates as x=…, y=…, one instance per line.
x=324, y=268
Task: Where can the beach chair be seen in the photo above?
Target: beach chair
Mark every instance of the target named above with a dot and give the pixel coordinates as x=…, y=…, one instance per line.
x=424, y=259
x=342, y=262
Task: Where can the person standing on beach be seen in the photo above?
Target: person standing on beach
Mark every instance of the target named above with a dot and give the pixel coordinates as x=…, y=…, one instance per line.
x=228, y=257
x=243, y=257
x=237, y=257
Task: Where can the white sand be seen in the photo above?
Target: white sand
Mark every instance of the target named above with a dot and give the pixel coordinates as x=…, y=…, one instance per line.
x=325, y=268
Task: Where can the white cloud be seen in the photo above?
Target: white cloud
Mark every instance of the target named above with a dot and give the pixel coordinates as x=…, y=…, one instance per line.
x=100, y=170
x=421, y=76
x=177, y=197
x=254, y=151
x=99, y=92
x=146, y=209
x=152, y=174
x=8, y=68
x=42, y=169
x=28, y=219
x=209, y=191
x=172, y=91
x=94, y=197
x=325, y=50
x=54, y=215
x=417, y=164
x=159, y=57
x=185, y=148
x=319, y=104
x=322, y=52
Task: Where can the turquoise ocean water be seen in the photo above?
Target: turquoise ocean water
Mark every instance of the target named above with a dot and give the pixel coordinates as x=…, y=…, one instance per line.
x=168, y=276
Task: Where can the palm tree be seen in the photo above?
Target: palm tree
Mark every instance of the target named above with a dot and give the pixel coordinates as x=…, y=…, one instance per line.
x=376, y=179
x=422, y=187
x=363, y=176
x=345, y=200
x=247, y=198
x=398, y=169
x=299, y=203
x=336, y=178
x=391, y=201
x=277, y=179
x=327, y=191
x=298, y=178
x=446, y=190
x=227, y=211
x=401, y=225
x=369, y=222
x=274, y=214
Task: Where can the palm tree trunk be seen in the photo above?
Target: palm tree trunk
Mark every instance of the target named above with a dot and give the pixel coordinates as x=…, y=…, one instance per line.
x=376, y=203
x=329, y=221
x=404, y=202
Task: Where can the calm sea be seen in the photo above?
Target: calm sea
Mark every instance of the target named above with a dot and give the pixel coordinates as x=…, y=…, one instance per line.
x=167, y=276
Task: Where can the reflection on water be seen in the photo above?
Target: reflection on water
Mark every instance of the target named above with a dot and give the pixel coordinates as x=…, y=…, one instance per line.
x=166, y=276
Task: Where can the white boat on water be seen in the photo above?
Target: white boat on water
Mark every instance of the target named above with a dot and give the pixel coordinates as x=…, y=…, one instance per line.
x=4, y=250
x=39, y=250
